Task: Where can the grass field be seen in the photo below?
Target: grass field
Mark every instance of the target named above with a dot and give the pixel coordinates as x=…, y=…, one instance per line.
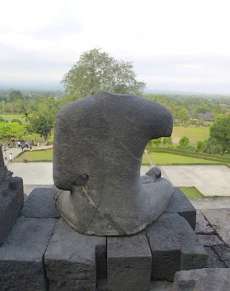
x=174, y=159
x=193, y=133
x=9, y=117
x=36, y=156
x=153, y=158
x=192, y=193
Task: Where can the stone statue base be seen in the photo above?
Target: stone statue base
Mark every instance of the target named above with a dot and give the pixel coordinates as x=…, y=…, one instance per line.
x=43, y=253
x=152, y=201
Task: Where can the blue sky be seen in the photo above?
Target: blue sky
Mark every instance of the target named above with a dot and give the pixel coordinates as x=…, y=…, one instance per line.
x=179, y=45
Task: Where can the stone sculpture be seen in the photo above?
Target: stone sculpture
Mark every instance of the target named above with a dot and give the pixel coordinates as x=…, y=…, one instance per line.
x=98, y=148
x=11, y=199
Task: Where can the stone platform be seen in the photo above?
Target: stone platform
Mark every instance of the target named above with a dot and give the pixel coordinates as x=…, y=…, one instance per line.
x=43, y=253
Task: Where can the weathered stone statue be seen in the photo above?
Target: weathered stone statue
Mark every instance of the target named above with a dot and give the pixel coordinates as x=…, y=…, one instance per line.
x=11, y=199
x=98, y=148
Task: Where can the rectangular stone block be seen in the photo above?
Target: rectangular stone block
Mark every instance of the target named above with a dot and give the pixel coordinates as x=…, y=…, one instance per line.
x=21, y=255
x=41, y=203
x=174, y=247
x=70, y=260
x=128, y=263
x=11, y=203
x=180, y=204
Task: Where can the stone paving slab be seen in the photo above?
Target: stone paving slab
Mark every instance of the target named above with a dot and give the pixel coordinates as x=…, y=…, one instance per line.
x=174, y=247
x=39, y=173
x=70, y=260
x=41, y=204
x=129, y=263
x=21, y=256
x=11, y=203
x=220, y=221
x=210, y=180
x=202, y=280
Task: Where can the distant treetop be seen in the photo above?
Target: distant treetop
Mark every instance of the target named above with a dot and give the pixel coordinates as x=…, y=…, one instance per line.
x=97, y=71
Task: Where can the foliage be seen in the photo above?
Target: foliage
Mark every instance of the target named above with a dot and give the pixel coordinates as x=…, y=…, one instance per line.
x=42, y=119
x=184, y=142
x=97, y=71
x=201, y=146
x=9, y=130
x=220, y=133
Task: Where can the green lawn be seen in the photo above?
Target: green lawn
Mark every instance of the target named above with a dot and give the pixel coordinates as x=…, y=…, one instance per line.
x=156, y=158
x=193, y=133
x=174, y=159
x=9, y=117
x=36, y=156
x=192, y=193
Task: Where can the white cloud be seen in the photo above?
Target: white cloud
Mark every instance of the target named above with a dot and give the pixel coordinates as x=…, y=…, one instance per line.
x=173, y=44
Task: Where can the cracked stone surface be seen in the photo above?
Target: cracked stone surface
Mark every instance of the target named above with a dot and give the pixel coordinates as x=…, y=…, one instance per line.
x=209, y=240
x=202, y=224
x=11, y=199
x=214, y=259
x=129, y=263
x=202, y=280
x=174, y=247
x=21, y=255
x=98, y=148
x=219, y=219
x=70, y=260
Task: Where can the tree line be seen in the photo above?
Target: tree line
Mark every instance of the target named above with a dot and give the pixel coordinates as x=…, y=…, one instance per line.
x=97, y=71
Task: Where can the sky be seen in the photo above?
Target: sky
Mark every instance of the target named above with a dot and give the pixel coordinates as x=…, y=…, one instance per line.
x=174, y=45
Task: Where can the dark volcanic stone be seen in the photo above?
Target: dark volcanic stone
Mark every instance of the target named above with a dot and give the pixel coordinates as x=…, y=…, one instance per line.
x=209, y=240
x=174, y=247
x=129, y=263
x=98, y=147
x=41, y=204
x=213, y=259
x=11, y=203
x=202, y=280
x=21, y=255
x=219, y=219
x=202, y=224
x=180, y=204
x=70, y=260
x=223, y=252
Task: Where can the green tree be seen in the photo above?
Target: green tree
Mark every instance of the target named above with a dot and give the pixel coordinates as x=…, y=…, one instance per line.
x=10, y=130
x=220, y=132
x=201, y=146
x=15, y=95
x=184, y=142
x=97, y=71
x=42, y=119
